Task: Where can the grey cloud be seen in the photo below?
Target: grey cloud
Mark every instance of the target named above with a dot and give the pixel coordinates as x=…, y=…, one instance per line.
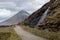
x=16, y=5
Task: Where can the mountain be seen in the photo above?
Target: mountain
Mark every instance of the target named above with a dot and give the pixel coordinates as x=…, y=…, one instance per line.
x=52, y=20
x=19, y=17
x=37, y=15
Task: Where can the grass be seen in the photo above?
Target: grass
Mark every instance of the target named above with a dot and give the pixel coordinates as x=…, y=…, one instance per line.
x=43, y=33
x=8, y=33
x=53, y=17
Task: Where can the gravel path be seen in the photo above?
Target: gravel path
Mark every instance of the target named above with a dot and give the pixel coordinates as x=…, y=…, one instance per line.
x=26, y=35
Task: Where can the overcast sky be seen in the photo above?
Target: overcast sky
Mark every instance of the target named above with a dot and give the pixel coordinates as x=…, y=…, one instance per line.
x=9, y=7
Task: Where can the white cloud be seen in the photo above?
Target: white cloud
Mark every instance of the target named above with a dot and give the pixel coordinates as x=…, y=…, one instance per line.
x=5, y=14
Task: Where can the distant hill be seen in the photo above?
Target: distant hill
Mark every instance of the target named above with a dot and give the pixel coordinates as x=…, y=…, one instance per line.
x=19, y=17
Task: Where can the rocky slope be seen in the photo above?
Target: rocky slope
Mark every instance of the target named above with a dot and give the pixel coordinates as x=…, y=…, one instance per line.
x=37, y=14
x=52, y=20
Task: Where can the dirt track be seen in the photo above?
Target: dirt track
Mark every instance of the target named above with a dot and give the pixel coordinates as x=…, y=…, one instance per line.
x=26, y=35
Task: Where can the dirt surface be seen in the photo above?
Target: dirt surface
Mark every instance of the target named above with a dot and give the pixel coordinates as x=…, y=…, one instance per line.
x=26, y=35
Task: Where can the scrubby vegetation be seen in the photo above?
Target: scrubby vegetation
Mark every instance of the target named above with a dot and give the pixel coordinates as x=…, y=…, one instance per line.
x=50, y=27
x=50, y=35
x=8, y=34
x=52, y=20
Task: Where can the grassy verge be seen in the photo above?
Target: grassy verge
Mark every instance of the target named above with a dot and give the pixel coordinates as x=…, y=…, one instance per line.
x=8, y=34
x=43, y=33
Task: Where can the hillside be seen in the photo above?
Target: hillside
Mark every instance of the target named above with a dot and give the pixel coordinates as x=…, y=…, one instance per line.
x=37, y=14
x=52, y=19
x=8, y=33
x=19, y=17
x=49, y=28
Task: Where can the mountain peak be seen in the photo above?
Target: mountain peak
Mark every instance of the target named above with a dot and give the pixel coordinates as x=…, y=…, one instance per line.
x=19, y=17
x=24, y=12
